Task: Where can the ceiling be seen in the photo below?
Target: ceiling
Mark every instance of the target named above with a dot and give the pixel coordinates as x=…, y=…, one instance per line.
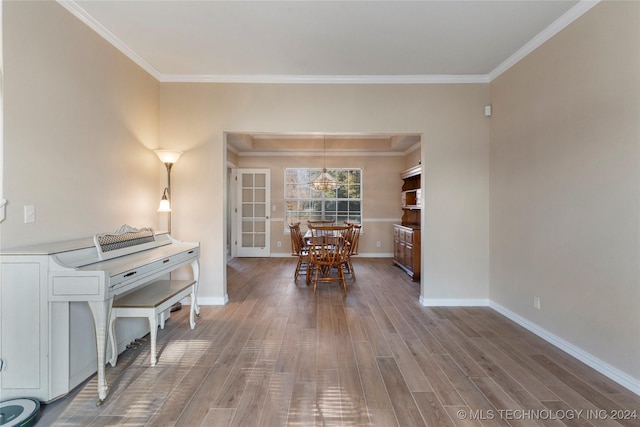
x=300, y=41
x=326, y=42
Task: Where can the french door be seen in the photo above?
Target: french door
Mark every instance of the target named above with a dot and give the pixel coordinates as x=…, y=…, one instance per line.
x=253, y=232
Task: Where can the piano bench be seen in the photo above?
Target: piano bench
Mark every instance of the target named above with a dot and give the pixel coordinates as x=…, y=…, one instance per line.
x=150, y=301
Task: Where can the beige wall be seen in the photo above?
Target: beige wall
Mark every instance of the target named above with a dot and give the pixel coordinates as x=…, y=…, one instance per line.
x=565, y=191
x=413, y=158
x=79, y=122
x=455, y=133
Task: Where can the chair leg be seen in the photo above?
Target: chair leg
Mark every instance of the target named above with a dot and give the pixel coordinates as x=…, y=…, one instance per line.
x=344, y=282
x=297, y=273
x=315, y=279
x=351, y=270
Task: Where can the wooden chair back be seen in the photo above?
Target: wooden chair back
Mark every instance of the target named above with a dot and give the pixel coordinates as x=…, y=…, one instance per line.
x=297, y=239
x=327, y=245
x=353, y=238
x=320, y=222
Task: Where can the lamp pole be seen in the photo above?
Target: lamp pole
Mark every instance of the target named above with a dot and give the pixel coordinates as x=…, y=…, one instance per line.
x=168, y=166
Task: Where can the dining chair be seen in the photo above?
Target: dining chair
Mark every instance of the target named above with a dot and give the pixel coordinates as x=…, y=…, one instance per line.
x=299, y=249
x=327, y=255
x=321, y=222
x=352, y=236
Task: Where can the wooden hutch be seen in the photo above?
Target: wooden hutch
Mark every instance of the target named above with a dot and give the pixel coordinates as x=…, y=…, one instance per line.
x=406, y=236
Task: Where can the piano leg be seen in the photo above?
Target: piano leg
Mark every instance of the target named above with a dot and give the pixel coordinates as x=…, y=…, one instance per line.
x=195, y=266
x=192, y=310
x=101, y=311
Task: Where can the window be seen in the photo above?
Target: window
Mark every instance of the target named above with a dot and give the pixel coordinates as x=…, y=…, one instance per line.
x=303, y=202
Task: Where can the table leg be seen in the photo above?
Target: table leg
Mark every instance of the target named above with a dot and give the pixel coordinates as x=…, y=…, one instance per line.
x=101, y=310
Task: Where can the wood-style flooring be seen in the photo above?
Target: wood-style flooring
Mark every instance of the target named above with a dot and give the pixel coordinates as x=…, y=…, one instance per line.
x=279, y=355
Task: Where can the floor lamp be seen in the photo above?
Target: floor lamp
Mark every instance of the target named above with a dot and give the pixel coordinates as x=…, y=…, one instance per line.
x=168, y=157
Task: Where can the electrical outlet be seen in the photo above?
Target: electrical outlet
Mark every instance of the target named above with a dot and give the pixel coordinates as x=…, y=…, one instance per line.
x=279, y=244
x=378, y=244
x=536, y=302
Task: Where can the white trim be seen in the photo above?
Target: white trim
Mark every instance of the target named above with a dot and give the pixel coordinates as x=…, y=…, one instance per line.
x=558, y=25
x=454, y=302
x=76, y=10
x=312, y=153
x=325, y=79
x=604, y=368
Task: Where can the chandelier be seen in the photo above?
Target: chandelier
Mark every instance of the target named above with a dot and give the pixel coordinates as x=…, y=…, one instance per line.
x=324, y=181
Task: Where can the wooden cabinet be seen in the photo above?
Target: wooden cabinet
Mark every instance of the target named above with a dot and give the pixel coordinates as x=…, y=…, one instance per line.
x=407, y=236
x=406, y=249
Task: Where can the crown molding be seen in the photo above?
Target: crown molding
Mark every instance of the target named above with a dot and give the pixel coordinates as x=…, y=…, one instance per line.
x=558, y=25
x=314, y=153
x=325, y=79
x=76, y=10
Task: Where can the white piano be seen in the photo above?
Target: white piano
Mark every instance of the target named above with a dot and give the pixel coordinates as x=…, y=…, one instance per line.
x=47, y=343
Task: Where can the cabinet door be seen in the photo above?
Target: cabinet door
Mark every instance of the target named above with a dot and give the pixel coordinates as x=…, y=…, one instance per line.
x=397, y=250
x=408, y=256
x=398, y=244
x=21, y=327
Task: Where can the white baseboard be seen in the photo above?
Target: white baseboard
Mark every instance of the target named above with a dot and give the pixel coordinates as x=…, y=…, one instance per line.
x=454, y=302
x=604, y=368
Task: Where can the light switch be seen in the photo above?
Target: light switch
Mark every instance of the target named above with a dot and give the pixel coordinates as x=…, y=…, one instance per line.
x=29, y=214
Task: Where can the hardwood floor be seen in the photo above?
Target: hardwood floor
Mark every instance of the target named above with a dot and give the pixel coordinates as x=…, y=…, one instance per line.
x=279, y=355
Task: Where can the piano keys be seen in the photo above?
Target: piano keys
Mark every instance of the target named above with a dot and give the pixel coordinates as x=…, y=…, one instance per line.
x=44, y=289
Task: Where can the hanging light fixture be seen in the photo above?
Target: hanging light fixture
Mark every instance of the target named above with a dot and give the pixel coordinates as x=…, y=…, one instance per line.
x=324, y=181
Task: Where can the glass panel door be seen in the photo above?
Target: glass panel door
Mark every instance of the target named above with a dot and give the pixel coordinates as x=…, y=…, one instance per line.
x=254, y=233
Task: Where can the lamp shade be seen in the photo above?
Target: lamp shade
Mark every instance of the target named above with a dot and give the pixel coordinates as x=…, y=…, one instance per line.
x=168, y=156
x=165, y=204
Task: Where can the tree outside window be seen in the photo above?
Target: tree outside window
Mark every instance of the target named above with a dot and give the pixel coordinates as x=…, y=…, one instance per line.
x=303, y=202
